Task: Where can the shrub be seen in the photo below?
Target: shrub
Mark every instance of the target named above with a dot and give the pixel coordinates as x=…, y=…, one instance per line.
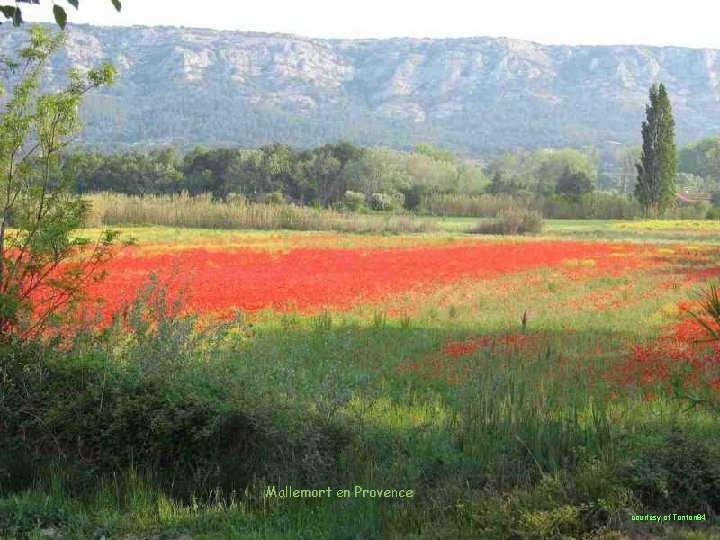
x=574, y=184
x=354, y=200
x=680, y=473
x=513, y=222
x=148, y=394
x=488, y=205
x=414, y=196
x=385, y=202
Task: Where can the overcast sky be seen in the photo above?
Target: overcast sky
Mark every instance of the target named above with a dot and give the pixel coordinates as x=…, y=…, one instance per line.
x=690, y=23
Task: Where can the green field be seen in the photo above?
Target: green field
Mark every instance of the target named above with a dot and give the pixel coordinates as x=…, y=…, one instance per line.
x=707, y=232
x=497, y=400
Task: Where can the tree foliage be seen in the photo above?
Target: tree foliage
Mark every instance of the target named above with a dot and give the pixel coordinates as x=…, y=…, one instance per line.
x=539, y=171
x=13, y=12
x=701, y=158
x=574, y=184
x=655, y=188
x=42, y=265
x=321, y=175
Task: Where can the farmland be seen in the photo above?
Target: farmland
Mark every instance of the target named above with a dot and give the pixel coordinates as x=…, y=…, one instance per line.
x=519, y=387
x=348, y=341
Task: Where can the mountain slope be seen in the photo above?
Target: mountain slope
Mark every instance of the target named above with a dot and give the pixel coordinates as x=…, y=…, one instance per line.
x=189, y=86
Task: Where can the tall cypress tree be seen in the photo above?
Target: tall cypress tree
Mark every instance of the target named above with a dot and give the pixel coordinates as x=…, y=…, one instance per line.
x=655, y=188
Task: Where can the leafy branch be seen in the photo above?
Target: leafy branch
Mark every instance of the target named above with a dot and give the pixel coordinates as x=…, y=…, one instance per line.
x=14, y=13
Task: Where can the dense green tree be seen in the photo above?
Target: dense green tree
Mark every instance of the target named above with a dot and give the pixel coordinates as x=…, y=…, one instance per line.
x=317, y=177
x=277, y=168
x=414, y=175
x=538, y=171
x=380, y=170
x=319, y=172
x=501, y=184
x=655, y=188
x=574, y=185
x=552, y=165
x=211, y=171
x=701, y=158
x=84, y=168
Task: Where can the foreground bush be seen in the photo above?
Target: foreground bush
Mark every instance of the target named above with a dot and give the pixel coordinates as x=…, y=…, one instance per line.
x=678, y=473
x=151, y=394
x=513, y=222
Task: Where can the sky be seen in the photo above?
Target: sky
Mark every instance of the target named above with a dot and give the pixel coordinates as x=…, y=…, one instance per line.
x=690, y=23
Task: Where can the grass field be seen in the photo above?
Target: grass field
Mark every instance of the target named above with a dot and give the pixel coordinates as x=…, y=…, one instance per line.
x=549, y=387
x=669, y=231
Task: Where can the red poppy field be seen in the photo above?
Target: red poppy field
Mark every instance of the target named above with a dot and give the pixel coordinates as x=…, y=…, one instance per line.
x=569, y=285
x=313, y=279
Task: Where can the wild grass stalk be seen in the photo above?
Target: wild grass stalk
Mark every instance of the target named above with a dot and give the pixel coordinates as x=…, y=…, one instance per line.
x=202, y=212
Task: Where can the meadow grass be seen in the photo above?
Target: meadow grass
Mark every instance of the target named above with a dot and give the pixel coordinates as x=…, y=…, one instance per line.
x=521, y=437
x=635, y=231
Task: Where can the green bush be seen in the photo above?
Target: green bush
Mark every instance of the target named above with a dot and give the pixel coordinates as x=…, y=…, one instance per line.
x=108, y=420
x=680, y=473
x=414, y=196
x=385, y=202
x=513, y=222
x=149, y=395
x=354, y=200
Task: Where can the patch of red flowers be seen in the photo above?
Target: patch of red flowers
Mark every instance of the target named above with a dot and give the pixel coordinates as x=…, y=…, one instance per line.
x=444, y=364
x=310, y=280
x=682, y=351
x=458, y=349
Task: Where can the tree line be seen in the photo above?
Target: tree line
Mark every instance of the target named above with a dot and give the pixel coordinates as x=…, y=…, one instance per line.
x=323, y=176
x=346, y=173
x=332, y=174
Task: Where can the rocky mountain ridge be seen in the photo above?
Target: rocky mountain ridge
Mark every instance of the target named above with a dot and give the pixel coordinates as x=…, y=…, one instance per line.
x=477, y=95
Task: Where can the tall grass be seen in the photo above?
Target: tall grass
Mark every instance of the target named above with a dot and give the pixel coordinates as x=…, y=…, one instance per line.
x=482, y=205
x=202, y=212
x=591, y=206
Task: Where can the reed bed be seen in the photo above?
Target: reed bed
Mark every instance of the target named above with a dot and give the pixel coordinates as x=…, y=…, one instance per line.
x=202, y=212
